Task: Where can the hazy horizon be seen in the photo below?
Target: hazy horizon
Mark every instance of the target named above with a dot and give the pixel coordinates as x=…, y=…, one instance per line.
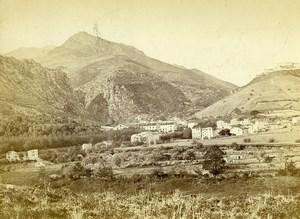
x=233, y=40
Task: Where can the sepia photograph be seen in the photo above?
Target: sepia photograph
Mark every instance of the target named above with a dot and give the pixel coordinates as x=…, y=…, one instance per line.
x=138, y=109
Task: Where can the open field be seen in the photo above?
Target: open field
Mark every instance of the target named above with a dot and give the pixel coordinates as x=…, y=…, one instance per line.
x=162, y=181
x=276, y=197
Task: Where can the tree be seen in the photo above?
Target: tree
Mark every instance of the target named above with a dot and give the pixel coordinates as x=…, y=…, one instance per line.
x=187, y=133
x=213, y=160
x=254, y=113
x=225, y=132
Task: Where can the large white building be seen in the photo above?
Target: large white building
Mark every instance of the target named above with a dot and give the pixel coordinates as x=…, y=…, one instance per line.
x=120, y=127
x=87, y=146
x=162, y=126
x=12, y=156
x=151, y=126
x=207, y=133
x=166, y=127
x=196, y=132
x=33, y=154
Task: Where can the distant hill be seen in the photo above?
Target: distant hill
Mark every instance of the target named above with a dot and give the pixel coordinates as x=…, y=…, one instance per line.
x=269, y=91
x=120, y=82
x=29, y=89
x=29, y=52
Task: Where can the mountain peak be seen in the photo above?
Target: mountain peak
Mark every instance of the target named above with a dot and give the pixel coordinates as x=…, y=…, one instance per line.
x=81, y=35
x=80, y=38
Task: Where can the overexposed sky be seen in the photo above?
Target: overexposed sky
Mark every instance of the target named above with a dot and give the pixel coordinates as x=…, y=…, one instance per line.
x=233, y=40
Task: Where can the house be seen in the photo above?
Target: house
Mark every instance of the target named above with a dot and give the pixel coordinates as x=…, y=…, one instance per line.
x=236, y=131
x=261, y=123
x=220, y=124
x=145, y=137
x=153, y=138
x=166, y=127
x=207, y=133
x=252, y=129
x=28, y=155
x=12, y=156
x=152, y=126
x=295, y=120
x=32, y=154
x=87, y=146
x=245, y=122
x=136, y=138
x=120, y=127
x=196, y=132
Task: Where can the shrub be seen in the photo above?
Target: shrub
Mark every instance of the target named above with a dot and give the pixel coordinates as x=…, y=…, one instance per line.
x=105, y=172
x=158, y=172
x=213, y=160
x=117, y=160
x=198, y=146
x=247, y=140
x=298, y=140
x=271, y=140
x=234, y=144
x=268, y=159
x=240, y=147
x=289, y=169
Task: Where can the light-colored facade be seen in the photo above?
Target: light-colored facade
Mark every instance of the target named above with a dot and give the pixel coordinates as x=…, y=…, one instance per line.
x=28, y=155
x=252, y=129
x=12, y=156
x=207, y=133
x=87, y=146
x=162, y=126
x=120, y=127
x=33, y=154
x=196, y=132
x=237, y=131
x=167, y=127
x=149, y=126
x=145, y=137
x=295, y=120
x=245, y=122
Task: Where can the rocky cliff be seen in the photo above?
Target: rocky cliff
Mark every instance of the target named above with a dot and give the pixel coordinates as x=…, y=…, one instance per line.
x=28, y=88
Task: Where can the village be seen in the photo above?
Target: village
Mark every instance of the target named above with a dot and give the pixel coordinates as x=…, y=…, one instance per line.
x=148, y=148
x=274, y=120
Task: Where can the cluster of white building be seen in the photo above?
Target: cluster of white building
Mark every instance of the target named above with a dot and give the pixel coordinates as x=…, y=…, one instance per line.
x=145, y=138
x=12, y=156
x=241, y=127
x=97, y=146
x=154, y=126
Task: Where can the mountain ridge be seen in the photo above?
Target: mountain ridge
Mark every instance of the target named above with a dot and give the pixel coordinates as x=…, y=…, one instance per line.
x=28, y=88
x=277, y=90
x=98, y=68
